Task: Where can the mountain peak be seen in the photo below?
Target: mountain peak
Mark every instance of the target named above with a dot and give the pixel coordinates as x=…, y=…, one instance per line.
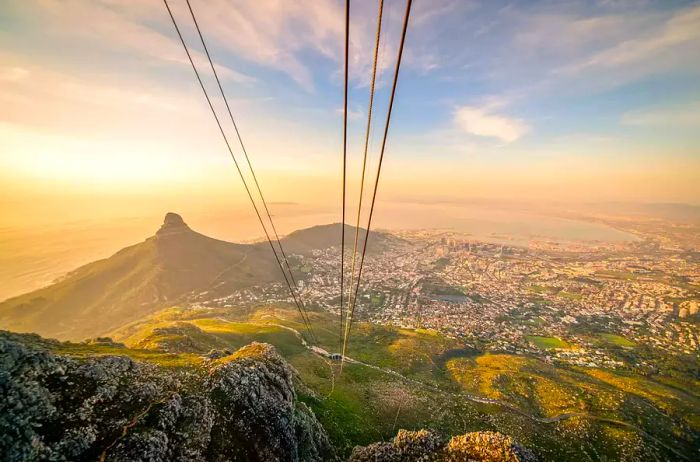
x=173, y=219
x=172, y=223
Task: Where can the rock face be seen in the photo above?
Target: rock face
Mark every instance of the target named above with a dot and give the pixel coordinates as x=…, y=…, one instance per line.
x=243, y=407
x=173, y=223
x=255, y=386
x=424, y=446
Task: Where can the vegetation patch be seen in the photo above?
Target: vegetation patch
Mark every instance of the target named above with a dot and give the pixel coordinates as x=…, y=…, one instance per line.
x=365, y=404
x=570, y=295
x=548, y=343
x=617, y=340
x=540, y=289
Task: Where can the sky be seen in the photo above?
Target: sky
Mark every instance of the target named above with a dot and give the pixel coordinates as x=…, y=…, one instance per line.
x=567, y=101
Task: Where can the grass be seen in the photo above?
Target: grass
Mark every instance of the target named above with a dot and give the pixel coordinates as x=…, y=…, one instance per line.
x=548, y=343
x=176, y=360
x=570, y=295
x=361, y=405
x=608, y=274
x=377, y=300
x=531, y=384
x=668, y=412
x=617, y=340
x=539, y=289
x=441, y=263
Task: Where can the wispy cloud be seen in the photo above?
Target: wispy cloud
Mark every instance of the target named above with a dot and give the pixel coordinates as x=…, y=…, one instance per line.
x=648, y=45
x=683, y=115
x=274, y=33
x=354, y=113
x=121, y=26
x=481, y=121
x=114, y=70
x=31, y=94
x=682, y=28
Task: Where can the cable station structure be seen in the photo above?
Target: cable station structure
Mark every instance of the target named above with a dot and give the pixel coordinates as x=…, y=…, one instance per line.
x=346, y=311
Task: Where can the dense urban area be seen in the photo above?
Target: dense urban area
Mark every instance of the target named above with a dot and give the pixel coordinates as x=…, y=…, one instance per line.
x=567, y=302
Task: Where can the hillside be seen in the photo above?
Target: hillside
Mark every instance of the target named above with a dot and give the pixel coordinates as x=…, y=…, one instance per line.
x=304, y=241
x=155, y=273
x=418, y=379
x=394, y=378
x=103, y=401
x=135, y=281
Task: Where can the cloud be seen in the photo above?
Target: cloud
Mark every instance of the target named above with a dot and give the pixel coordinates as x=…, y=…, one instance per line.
x=482, y=122
x=686, y=115
x=119, y=26
x=425, y=12
x=288, y=37
x=273, y=33
x=13, y=74
x=40, y=97
x=355, y=113
x=683, y=28
x=568, y=48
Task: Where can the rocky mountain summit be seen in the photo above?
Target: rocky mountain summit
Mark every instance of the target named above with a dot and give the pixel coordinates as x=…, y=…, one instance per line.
x=243, y=407
x=172, y=224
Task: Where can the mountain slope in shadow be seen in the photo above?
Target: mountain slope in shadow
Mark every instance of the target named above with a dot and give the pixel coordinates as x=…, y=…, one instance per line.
x=140, y=279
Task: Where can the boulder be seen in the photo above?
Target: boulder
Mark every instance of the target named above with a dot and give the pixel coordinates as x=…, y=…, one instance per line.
x=424, y=446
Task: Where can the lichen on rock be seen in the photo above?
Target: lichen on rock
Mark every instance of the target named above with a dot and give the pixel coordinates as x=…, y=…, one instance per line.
x=424, y=446
x=256, y=385
x=243, y=407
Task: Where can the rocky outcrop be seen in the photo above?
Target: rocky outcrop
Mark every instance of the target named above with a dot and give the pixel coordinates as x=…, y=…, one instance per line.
x=255, y=386
x=173, y=223
x=424, y=446
x=180, y=337
x=486, y=446
x=241, y=407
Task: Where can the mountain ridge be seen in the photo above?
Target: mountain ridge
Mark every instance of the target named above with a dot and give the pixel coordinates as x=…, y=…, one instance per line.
x=142, y=278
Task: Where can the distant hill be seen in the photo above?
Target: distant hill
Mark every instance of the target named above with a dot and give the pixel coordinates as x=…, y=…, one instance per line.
x=304, y=241
x=674, y=212
x=136, y=281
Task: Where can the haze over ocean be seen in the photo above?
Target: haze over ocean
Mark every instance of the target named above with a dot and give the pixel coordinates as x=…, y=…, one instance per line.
x=58, y=248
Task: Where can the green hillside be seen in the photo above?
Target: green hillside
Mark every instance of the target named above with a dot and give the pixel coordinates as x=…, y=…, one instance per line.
x=413, y=379
x=393, y=378
x=418, y=379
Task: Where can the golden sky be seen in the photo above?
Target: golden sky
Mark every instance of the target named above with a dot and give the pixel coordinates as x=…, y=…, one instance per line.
x=100, y=114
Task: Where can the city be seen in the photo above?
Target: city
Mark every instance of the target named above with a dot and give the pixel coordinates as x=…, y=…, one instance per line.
x=581, y=303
